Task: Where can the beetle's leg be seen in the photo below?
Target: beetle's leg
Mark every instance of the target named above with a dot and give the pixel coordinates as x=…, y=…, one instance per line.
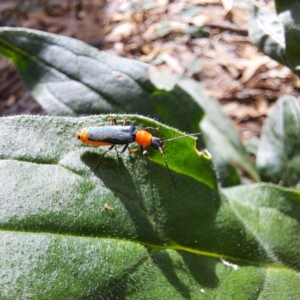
x=112, y=121
x=144, y=152
x=122, y=151
x=103, y=156
x=152, y=128
x=126, y=122
x=125, y=147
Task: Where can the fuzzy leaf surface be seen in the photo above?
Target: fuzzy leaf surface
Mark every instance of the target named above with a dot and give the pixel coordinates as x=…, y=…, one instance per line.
x=69, y=231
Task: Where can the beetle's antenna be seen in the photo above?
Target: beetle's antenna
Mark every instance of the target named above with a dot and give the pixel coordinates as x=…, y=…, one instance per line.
x=163, y=155
x=182, y=136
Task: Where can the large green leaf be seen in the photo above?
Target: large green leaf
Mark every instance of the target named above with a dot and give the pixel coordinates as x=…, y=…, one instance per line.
x=220, y=137
x=272, y=215
x=267, y=32
x=288, y=13
x=69, y=77
x=122, y=231
x=278, y=156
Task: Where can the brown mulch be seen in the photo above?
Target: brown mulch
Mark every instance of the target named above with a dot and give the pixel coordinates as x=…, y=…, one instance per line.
x=201, y=39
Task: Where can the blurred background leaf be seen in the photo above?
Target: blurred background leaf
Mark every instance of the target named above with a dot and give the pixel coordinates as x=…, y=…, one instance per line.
x=278, y=158
x=288, y=14
x=267, y=33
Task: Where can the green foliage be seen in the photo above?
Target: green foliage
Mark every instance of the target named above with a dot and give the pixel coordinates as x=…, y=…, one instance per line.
x=278, y=157
x=71, y=78
x=267, y=32
x=278, y=36
x=218, y=130
x=121, y=231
